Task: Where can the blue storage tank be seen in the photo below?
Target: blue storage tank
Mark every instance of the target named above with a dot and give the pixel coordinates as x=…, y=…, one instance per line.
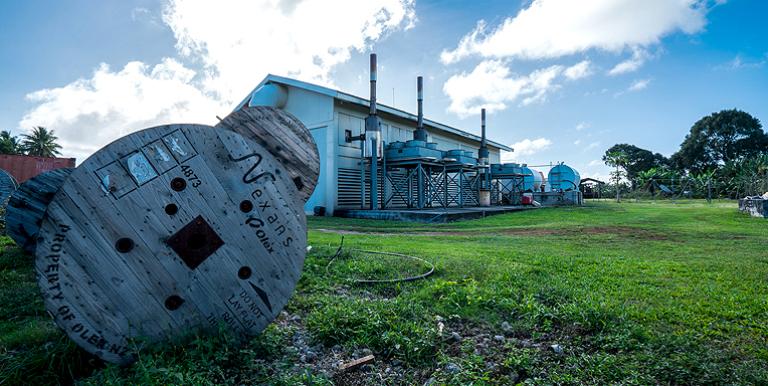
x=532, y=180
x=563, y=178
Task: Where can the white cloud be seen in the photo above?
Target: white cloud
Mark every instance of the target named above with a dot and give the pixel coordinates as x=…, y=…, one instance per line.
x=639, y=56
x=530, y=147
x=492, y=85
x=228, y=47
x=591, y=146
x=89, y=113
x=555, y=28
x=582, y=125
x=577, y=142
x=640, y=84
x=524, y=148
x=637, y=85
x=241, y=41
x=738, y=63
x=578, y=70
x=139, y=13
x=596, y=162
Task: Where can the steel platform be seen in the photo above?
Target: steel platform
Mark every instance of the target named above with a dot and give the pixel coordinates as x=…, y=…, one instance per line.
x=434, y=215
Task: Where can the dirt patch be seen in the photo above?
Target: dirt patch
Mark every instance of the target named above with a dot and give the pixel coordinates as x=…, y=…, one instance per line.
x=624, y=232
x=326, y=361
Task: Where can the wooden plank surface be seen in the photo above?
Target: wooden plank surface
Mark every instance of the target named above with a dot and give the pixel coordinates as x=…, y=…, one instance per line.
x=285, y=137
x=167, y=231
x=7, y=186
x=27, y=205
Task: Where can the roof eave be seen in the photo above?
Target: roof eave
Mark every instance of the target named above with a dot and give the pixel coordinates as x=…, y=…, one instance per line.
x=364, y=102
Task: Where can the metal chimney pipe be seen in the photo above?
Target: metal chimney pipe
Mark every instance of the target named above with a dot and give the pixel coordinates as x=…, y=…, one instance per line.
x=420, y=134
x=482, y=127
x=420, y=100
x=483, y=153
x=373, y=141
x=373, y=84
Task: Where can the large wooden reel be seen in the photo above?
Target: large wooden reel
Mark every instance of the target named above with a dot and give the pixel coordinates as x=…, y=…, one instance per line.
x=8, y=185
x=285, y=137
x=27, y=205
x=167, y=231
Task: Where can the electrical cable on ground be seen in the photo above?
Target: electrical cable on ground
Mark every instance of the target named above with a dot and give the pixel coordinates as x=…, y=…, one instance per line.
x=382, y=281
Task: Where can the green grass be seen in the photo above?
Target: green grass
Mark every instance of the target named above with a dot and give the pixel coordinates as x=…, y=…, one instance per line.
x=637, y=293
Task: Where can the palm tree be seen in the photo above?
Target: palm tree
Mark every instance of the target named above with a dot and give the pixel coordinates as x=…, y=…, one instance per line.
x=41, y=142
x=8, y=143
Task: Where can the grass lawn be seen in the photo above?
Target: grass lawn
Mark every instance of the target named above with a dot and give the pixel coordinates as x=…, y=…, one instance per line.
x=637, y=293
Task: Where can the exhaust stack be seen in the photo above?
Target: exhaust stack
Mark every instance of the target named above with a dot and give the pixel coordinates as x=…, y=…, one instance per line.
x=483, y=152
x=373, y=85
x=420, y=134
x=373, y=146
x=372, y=124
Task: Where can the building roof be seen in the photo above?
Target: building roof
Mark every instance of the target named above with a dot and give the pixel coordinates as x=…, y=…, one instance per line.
x=340, y=95
x=583, y=180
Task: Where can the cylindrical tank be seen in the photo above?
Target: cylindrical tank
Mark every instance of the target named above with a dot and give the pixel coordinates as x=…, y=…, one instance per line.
x=532, y=180
x=271, y=95
x=563, y=178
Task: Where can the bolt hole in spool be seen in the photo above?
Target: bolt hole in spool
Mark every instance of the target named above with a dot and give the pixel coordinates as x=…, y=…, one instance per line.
x=246, y=206
x=171, y=209
x=244, y=273
x=298, y=182
x=124, y=245
x=173, y=302
x=178, y=184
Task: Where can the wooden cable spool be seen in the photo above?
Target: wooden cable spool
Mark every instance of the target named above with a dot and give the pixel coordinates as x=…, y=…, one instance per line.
x=27, y=205
x=285, y=137
x=167, y=231
x=8, y=185
x=278, y=131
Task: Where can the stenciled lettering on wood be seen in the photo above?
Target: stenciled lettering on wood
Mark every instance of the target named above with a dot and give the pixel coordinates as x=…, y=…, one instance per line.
x=168, y=231
x=283, y=136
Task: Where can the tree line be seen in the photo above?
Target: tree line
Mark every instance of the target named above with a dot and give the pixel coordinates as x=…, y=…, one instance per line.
x=41, y=142
x=726, y=151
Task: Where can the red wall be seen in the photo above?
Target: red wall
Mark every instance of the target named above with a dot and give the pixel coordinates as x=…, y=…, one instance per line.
x=24, y=167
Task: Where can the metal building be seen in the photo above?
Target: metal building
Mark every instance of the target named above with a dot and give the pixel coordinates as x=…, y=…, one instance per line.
x=334, y=117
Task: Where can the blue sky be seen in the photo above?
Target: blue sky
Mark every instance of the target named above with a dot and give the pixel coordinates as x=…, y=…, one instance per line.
x=564, y=80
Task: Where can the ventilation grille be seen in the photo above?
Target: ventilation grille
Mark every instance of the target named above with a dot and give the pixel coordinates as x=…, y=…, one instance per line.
x=349, y=190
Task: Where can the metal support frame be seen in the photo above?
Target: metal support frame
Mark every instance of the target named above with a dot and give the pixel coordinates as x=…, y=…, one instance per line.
x=509, y=187
x=426, y=183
